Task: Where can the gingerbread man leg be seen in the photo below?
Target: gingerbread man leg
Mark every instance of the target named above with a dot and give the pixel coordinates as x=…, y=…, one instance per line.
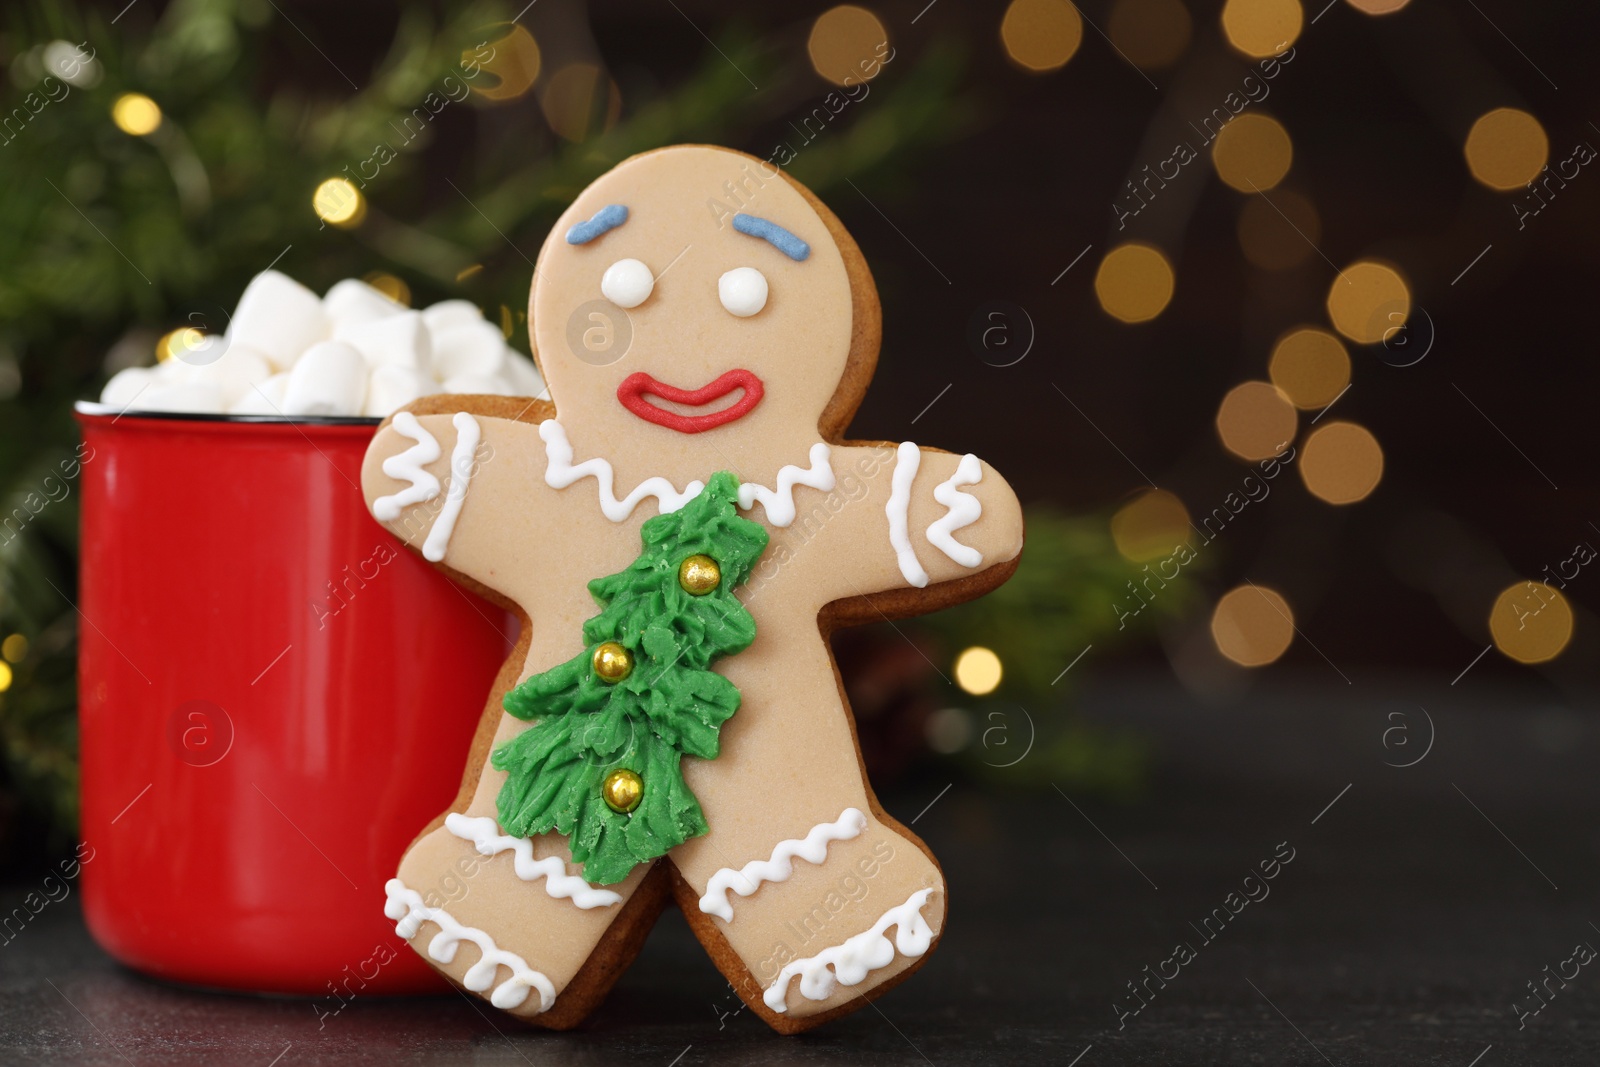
x=813, y=902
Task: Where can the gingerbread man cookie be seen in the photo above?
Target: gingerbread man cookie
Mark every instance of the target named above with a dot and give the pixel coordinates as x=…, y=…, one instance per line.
x=679, y=533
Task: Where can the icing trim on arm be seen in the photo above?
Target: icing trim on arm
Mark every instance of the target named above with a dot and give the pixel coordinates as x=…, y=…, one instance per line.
x=485, y=835
x=961, y=510
x=852, y=960
x=607, y=218
x=908, y=459
x=406, y=907
x=813, y=849
x=559, y=473
x=468, y=434
x=407, y=466
x=779, y=503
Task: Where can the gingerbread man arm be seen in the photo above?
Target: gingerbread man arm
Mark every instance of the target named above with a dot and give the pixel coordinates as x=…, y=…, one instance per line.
x=457, y=488
x=901, y=518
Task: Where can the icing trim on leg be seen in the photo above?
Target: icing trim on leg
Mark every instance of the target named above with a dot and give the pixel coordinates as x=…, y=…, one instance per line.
x=405, y=906
x=852, y=960
x=813, y=849
x=485, y=835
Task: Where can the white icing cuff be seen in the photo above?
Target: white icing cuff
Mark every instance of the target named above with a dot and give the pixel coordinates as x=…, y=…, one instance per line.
x=855, y=958
x=405, y=906
x=485, y=835
x=813, y=849
x=961, y=509
x=908, y=459
x=468, y=434
x=407, y=466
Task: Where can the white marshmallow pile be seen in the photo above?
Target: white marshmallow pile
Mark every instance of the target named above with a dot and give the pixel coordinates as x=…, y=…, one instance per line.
x=353, y=352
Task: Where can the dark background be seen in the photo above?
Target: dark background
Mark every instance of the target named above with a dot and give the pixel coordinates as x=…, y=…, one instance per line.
x=1426, y=897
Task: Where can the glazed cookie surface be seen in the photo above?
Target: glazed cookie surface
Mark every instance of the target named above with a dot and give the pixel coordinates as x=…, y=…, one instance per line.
x=680, y=529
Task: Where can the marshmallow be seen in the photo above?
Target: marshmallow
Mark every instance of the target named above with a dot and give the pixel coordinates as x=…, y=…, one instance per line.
x=448, y=313
x=522, y=375
x=202, y=398
x=399, y=340
x=233, y=374
x=265, y=398
x=330, y=379
x=352, y=301
x=127, y=387
x=393, y=387
x=478, y=383
x=278, y=317
x=470, y=348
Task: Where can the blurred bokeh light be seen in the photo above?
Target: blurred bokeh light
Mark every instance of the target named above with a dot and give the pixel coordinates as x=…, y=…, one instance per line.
x=1252, y=625
x=1150, y=526
x=1531, y=622
x=1041, y=35
x=1256, y=421
x=514, y=67
x=1369, y=302
x=1506, y=148
x=1261, y=28
x=136, y=113
x=1253, y=152
x=1134, y=282
x=845, y=44
x=978, y=670
x=339, y=203
x=1341, y=462
x=1311, y=366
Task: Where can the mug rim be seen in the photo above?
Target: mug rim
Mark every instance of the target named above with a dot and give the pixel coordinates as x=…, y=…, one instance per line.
x=95, y=409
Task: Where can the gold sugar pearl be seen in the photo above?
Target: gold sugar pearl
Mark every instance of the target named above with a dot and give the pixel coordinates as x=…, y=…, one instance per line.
x=699, y=575
x=622, y=790
x=612, y=662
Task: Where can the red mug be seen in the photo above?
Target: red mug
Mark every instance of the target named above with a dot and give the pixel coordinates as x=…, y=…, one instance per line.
x=274, y=697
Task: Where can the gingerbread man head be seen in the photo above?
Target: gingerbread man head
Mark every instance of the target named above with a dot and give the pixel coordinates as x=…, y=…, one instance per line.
x=679, y=531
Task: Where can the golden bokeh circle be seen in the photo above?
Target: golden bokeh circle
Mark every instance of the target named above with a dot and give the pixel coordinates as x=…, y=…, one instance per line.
x=1368, y=302
x=1311, y=366
x=1252, y=625
x=1041, y=35
x=1378, y=7
x=512, y=69
x=1531, y=622
x=1134, y=282
x=1153, y=34
x=390, y=286
x=846, y=44
x=339, y=203
x=978, y=671
x=136, y=114
x=1279, y=233
x=5, y=676
x=1150, y=526
x=1252, y=153
x=1341, y=462
x=1506, y=148
x=14, y=648
x=1261, y=28
x=1256, y=421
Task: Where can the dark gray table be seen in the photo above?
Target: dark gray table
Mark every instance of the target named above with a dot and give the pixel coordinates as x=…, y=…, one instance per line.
x=1418, y=904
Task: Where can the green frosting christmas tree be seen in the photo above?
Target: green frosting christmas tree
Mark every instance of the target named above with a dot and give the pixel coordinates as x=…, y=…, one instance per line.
x=665, y=702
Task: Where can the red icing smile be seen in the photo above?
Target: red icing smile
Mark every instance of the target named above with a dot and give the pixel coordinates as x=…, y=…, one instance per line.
x=635, y=387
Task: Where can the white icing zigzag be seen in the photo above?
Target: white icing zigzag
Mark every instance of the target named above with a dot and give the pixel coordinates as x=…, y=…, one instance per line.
x=485, y=835
x=468, y=434
x=962, y=509
x=560, y=473
x=407, y=465
x=780, y=502
x=867, y=951
x=405, y=906
x=813, y=849
x=909, y=458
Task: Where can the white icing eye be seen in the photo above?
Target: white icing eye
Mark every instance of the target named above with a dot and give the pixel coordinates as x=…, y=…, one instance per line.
x=627, y=283
x=743, y=291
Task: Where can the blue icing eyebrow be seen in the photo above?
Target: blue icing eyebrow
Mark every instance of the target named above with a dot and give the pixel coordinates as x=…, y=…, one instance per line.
x=773, y=234
x=607, y=218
